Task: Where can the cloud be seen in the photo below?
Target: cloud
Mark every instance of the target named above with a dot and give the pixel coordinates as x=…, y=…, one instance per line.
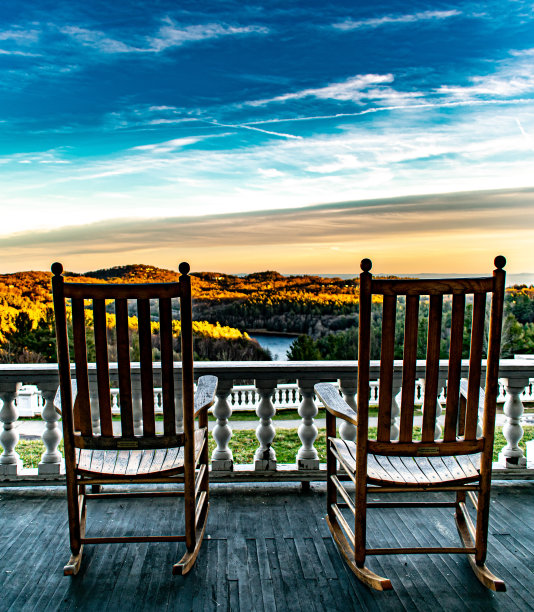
x=328, y=223
x=20, y=35
x=376, y=22
x=172, y=35
x=354, y=88
x=169, y=35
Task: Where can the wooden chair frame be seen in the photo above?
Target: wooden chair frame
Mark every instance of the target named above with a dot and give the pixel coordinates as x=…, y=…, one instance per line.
x=460, y=462
x=96, y=458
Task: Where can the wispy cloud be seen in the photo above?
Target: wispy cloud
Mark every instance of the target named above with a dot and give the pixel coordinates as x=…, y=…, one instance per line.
x=329, y=223
x=98, y=40
x=172, y=34
x=168, y=36
x=376, y=22
x=356, y=89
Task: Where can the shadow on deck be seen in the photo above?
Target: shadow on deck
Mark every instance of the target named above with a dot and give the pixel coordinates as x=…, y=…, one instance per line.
x=267, y=548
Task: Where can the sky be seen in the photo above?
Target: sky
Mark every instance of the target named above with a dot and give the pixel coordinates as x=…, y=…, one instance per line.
x=245, y=136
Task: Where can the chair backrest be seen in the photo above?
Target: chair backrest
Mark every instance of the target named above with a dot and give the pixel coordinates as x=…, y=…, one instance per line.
x=401, y=296
x=97, y=333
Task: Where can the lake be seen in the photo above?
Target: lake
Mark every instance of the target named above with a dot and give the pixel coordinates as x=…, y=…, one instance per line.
x=278, y=345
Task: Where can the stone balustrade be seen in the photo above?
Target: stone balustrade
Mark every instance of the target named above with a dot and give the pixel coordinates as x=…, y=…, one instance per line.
x=277, y=386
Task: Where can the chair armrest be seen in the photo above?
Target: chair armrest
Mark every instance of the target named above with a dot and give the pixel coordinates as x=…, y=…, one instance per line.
x=57, y=399
x=205, y=393
x=334, y=403
x=481, y=395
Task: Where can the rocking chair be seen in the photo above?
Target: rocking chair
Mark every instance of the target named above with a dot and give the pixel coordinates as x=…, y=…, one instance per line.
x=100, y=452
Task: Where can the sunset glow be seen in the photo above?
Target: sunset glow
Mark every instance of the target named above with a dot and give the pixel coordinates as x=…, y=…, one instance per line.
x=291, y=136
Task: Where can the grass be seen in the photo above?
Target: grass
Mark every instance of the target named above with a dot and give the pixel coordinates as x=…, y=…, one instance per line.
x=244, y=444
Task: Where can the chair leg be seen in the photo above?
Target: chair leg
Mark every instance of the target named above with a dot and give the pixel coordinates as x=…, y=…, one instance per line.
x=188, y=560
x=363, y=573
x=479, y=568
x=77, y=511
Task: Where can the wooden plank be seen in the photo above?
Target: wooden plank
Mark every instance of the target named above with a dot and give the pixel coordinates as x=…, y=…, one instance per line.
x=455, y=366
x=110, y=459
x=475, y=365
x=146, y=461
x=408, y=368
x=405, y=469
x=386, y=368
x=123, y=358
x=167, y=368
x=432, y=286
x=424, y=465
x=105, y=291
x=82, y=410
x=393, y=475
x=102, y=365
x=121, y=464
x=414, y=469
x=432, y=368
x=145, y=357
x=133, y=463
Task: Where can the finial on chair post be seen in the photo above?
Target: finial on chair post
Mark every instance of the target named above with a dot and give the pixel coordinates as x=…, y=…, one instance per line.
x=184, y=267
x=57, y=269
x=366, y=265
x=500, y=262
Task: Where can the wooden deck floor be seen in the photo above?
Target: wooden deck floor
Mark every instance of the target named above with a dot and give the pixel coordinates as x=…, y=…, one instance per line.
x=268, y=548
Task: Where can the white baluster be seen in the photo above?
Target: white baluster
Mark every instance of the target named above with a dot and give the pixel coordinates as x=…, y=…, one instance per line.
x=265, y=457
x=348, y=387
x=10, y=462
x=178, y=405
x=222, y=457
x=95, y=409
x=307, y=456
x=438, y=429
x=51, y=459
x=137, y=407
x=395, y=408
x=511, y=455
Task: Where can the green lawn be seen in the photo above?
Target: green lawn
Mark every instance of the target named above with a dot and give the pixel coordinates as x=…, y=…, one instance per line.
x=244, y=444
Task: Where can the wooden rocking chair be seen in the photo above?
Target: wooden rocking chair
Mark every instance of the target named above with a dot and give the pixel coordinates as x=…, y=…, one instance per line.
x=95, y=454
x=460, y=460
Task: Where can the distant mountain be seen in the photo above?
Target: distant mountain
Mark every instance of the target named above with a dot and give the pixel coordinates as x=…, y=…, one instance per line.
x=523, y=278
x=136, y=273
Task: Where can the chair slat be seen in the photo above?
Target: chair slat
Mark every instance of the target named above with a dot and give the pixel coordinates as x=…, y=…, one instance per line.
x=82, y=412
x=102, y=366
x=475, y=365
x=408, y=368
x=123, y=357
x=167, y=378
x=432, y=368
x=386, y=368
x=455, y=368
x=145, y=352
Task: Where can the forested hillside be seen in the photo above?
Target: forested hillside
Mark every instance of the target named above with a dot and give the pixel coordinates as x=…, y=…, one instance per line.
x=323, y=310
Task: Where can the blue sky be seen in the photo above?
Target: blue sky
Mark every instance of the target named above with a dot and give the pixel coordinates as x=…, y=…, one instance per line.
x=288, y=135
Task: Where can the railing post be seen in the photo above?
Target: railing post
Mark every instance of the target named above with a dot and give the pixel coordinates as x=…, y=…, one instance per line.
x=348, y=387
x=51, y=459
x=307, y=456
x=439, y=410
x=178, y=405
x=222, y=458
x=265, y=456
x=95, y=409
x=137, y=406
x=10, y=462
x=511, y=455
x=395, y=408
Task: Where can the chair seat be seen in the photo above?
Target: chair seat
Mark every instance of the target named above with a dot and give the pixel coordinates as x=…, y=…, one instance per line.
x=410, y=471
x=160, y=462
